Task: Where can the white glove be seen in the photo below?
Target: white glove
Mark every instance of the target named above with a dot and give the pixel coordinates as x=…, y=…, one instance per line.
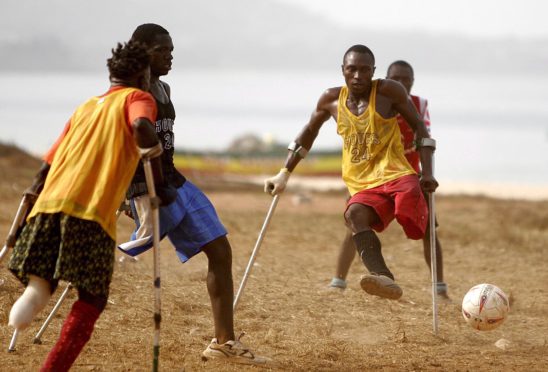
x=276, y=185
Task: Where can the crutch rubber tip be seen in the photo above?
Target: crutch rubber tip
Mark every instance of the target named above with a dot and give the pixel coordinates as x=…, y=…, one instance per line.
x=13, y=342
x=37, y=341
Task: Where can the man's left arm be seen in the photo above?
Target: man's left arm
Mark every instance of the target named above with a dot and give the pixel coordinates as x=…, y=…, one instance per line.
x=425, y=145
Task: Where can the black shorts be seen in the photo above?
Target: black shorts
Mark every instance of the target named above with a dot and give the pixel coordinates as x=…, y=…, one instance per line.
x=61, y=247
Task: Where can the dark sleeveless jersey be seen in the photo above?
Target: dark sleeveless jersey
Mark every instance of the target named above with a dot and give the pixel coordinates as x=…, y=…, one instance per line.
x=164, y=130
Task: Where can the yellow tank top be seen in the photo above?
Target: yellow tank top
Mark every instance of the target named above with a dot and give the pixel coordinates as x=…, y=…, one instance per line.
x=93, y=165
x=372, y=148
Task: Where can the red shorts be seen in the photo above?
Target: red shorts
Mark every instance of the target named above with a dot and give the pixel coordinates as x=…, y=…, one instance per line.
x=401, y=199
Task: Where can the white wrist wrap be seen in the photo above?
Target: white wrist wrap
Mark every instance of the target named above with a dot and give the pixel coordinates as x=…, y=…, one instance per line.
x=297, y=149
x=427, y=142
x=151, y=152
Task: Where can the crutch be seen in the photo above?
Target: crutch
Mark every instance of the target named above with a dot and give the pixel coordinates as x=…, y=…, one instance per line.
x=155, y=205
x=433, y=265
x=13, y=341
x=433, y=260
x=256, y=250
x=19, y=221
x=38, y=337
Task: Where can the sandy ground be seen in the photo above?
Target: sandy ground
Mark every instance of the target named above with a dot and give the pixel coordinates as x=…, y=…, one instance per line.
x=287, y=312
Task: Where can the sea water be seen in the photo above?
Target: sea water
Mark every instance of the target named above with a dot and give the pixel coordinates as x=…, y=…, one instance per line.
x=489, y=129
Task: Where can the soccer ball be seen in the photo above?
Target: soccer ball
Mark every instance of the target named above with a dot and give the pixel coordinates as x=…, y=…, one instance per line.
x=485, y=307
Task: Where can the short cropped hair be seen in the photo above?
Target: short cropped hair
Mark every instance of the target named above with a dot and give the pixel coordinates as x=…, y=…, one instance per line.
x=358, y=48
x=128, y=60
x=401, y=63
x=147, y=32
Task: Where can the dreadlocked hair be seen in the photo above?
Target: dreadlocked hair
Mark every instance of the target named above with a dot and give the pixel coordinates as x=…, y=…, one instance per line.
x=128, y=60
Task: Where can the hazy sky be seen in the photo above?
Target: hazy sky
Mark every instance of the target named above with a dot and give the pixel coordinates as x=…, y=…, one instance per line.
x=489, y=18
x=486, y=94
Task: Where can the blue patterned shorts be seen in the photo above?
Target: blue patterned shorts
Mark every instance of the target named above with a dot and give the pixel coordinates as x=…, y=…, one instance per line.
x=190, y=222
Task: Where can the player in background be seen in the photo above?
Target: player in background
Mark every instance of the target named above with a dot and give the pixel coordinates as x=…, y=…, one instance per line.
x=403, y=72
x=381, y=182
x=70, y=233
x=191, y=222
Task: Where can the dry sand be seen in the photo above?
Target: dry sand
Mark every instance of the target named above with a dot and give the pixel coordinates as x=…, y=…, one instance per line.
x=286, y=310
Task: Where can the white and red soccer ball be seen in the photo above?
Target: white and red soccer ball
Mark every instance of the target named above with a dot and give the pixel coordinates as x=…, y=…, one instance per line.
x=485, y=307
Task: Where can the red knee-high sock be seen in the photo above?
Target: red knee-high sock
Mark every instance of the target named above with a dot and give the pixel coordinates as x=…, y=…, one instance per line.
x=75, y=333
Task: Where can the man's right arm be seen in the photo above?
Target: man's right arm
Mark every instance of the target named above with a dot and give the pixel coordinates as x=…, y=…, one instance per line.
x=303, y=143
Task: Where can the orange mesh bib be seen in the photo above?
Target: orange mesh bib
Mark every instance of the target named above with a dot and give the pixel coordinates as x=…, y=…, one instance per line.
x=93, y=165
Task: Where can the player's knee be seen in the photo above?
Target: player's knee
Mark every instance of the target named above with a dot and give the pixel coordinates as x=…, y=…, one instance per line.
x=99, y=302
x=219, y=251
x=33, y=300
x=350, y=215
x=359, y=217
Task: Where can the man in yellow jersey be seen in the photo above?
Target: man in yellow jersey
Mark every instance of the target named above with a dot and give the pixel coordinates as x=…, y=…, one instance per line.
x=403, y=72
x=71, y=231
x=382, y=183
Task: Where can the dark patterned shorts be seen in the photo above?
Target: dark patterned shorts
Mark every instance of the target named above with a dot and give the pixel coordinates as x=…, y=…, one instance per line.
x=60, y=247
